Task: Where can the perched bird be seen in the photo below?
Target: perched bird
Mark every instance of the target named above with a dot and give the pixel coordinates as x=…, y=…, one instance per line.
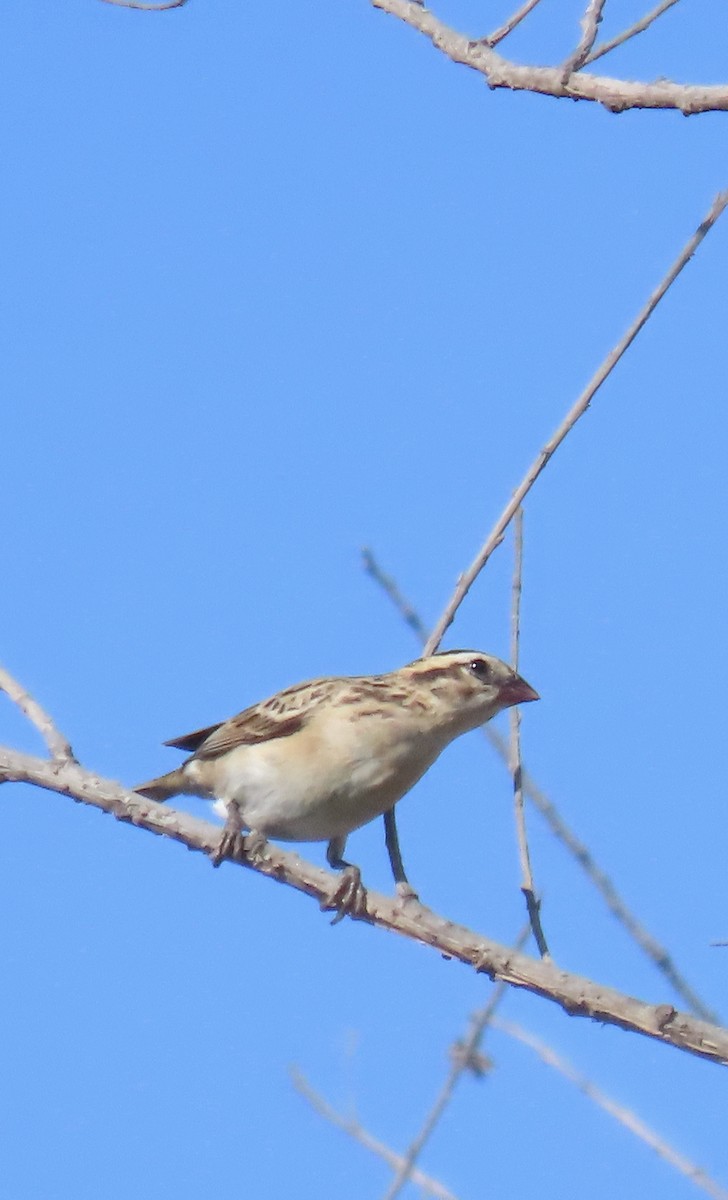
x=323, y=758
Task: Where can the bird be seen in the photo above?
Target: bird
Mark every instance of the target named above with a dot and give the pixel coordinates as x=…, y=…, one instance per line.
x=322, y=758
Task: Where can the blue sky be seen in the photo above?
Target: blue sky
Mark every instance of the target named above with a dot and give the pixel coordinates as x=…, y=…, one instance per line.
x=279, y=285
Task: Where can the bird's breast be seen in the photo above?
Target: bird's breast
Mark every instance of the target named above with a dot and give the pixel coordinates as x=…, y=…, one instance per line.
x=326, y=780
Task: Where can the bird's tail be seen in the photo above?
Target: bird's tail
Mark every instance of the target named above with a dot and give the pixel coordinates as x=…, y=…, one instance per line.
x=163, y=787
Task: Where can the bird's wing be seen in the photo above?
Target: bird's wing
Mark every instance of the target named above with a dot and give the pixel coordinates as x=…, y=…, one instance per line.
x=282, y=715
x=193, y=741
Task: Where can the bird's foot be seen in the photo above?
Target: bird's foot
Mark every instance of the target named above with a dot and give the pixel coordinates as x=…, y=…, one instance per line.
x=234, y=844
x=348, y=897
x=231, y=845
x=239, y=847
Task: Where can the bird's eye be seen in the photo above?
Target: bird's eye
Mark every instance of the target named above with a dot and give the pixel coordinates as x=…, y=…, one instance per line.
x=480, y=668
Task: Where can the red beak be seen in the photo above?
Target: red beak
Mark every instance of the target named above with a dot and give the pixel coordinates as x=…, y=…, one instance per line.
x=517, y=691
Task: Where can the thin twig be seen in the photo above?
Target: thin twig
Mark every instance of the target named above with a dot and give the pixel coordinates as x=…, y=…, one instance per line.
x=387, y=583
x=357, y=1131
x=590, y=23
x=573, y=993
x=58, y=746
x=465, y=1057
x=624, y=1115
x=414, y=1150
x=658, y=954
x=533, y=904
x=496, y=535
x=508, y=26
x=638, y=27
x=164, y=7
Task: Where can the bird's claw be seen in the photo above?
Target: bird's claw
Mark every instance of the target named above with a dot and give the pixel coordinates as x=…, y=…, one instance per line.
x=348, y=897
x=235, y=845
x=230, y=846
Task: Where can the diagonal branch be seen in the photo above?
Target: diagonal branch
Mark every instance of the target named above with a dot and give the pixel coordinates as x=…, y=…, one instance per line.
x=659, y=955
x=512, y=23
x=464, y=1058
x=163, y=7
x=58, y=746
x=495, y=537
x=638, y=27
x=625, y=1117
x=590, y=23
x=576, y=995
x=357, y=1131
x=654, y=950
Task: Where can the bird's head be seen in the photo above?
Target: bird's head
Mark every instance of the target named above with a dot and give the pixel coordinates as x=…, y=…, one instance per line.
x=473, y=686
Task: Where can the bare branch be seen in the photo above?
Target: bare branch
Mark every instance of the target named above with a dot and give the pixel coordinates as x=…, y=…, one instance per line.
x=388, y=585
x=654, y=950
x=465, y=1057
x=406, y=1169
x=466, y=580
x=533, y=905
x=590, y=23
x=167, y=4
x=659, y=955
x=638, y=27
x=58, y=746
x=508, y=26
x=624, y=1115
x=574, y=994
x=351, y=1126
x=617, y=95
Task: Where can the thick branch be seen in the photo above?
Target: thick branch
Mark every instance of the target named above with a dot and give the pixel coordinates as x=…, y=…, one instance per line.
x=615, y=94
x=574, y=994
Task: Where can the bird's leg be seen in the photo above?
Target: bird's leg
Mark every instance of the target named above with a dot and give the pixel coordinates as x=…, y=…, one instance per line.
x=404, y=888
x=231, y=840
x=349, y=897
x=232, y=843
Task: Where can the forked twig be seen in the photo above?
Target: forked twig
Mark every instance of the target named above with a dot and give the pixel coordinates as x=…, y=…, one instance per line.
x=357, y=1131
x=496, y=535
x=58, y=746
x=654, y=950
x=590, y=23
x=624, y=1115
x=533, y=905
x=464, y=1058
x=638, y=27
x=616, y=95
